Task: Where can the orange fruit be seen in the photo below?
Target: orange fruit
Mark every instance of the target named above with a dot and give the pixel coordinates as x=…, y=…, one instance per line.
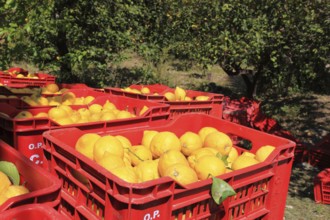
x=190, y=142
x=209, y=166
x=164, y=141
x=263, y=152
x=12, y=191
x=181, y=173
x=139, y=153
x=42, y=101
x=95, y=117
x=220, y=141
x=147, y=170
x=169, y=158
x=204, y=131
x=79, y=101
x=147, y=137
x=110, y=144
x=84, y=112
x=111, y=162
x=85, y=144
x=202, y=98
x=243, y=161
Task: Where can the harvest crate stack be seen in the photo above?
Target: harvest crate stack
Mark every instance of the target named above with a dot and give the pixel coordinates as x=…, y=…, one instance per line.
x=68, y=185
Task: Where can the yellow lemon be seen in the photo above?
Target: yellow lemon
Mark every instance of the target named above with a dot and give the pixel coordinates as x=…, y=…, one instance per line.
x=195, y=155
x=124, y=141
x=139, y=153
x=88, y=99
x=52, y=88
x=85, y=144
x=108, y=116
x=220, y=141
x=170, y=96
x=57, y=113
x=145, y=90
x=95, y=108
x=143, y=110
x=123, y=114
x=109, y=105
x=164, y=141
x=4, y=182
x=110, y=144
x=126, y=173
x=243, y=161
x=209, y=166
x=204, y=131
x=182, y=174
x=41, y=115
x=180, y=94
x=263, y=152
x=147, y=170
x=169, y=158
x=24, y=115
x=232, y=156
x=147, y=137
x=110, y=161
x=190, y=142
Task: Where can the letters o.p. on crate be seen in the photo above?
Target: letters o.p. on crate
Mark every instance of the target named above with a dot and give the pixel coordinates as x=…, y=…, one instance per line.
x=26, y=134
x=44, y=188
x=261, y=189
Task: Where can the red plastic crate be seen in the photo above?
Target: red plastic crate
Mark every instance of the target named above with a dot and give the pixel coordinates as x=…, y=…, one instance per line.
x=261, y=189
x=18, y=103
x=44, y=188
x=12, y=81
x=32, y=211
x=213, y=106
x=26, y=134
x=154, y=88
x=319, y=155
x=322, y=187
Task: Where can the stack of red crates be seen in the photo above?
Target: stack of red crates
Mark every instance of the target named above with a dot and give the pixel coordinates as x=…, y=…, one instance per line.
x=322, y=187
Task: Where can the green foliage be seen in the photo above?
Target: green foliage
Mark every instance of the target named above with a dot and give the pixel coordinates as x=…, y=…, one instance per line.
x=276, y=46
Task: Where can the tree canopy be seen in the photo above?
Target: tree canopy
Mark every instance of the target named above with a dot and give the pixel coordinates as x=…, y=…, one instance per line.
x=276, y=46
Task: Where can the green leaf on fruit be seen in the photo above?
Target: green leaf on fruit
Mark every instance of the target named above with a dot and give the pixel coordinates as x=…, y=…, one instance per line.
x=223, y=158
x=221, y=190
x=11, y=171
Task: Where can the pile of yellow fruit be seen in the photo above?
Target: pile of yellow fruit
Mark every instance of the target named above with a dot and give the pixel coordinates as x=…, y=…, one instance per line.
x=187, y=159
x=181, y=95
x=65, y=115
x=143, y=90
x=8, y=190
